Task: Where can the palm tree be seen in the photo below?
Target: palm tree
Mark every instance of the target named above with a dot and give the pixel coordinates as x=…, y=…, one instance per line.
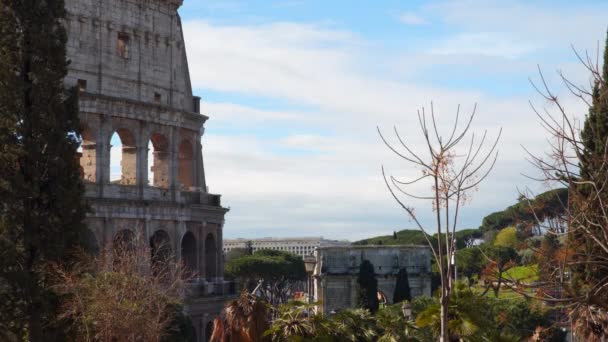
x=353, y=325
x=393, y=327
x=466, y=315
x=297, y=321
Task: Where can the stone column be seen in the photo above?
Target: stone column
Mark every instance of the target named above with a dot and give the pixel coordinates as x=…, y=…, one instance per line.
x=173, y=162
x=353, y=291
x=142, y=160
x=199, y=175
x=202, y=271
x=103, y=158
x=129, y=165
x=219, y=252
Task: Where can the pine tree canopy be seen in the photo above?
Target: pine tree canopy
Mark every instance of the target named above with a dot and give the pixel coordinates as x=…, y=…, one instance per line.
x=42, y=209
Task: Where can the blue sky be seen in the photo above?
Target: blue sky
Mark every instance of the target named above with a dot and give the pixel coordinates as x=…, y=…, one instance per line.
x=295, y=90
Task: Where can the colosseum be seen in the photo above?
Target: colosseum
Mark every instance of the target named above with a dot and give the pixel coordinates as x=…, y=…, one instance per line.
x=128, y=60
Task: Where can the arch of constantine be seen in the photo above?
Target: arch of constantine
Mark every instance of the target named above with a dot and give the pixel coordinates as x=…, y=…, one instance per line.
x=129, y=63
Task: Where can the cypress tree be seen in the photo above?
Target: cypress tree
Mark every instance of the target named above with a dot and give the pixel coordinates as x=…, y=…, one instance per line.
x=42, y=209
x=368, y=287
x=402, y=287
x=595, y=130
x=594, y=137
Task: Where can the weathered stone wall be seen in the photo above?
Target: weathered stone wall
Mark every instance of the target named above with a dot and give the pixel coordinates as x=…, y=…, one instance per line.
x=154, y=61
x=128, y=61
x=337, y=268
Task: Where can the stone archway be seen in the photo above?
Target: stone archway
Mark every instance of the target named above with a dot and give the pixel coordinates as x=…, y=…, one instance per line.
x=188, y=249
x=123, y=157
x=210, y=257
x=88, y=155
x=90, y=243
x=122, y=243
x=160, y=250
x=186, y=164
x=159, y=161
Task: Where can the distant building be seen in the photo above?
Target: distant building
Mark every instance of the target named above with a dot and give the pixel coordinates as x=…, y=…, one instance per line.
x=335, y=275
x=298, y=245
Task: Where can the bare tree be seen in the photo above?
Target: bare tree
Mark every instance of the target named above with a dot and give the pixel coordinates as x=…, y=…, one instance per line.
x=581, y=271
x=451, y=169
x=125, y=294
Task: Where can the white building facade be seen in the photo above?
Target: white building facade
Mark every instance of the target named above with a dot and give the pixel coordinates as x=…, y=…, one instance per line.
x=301, y=246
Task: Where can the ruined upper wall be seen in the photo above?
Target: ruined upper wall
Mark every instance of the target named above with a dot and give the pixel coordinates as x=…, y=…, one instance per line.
x=131, y=49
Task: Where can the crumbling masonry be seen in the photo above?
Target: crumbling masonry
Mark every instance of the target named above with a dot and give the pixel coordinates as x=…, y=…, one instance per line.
x=129, y=61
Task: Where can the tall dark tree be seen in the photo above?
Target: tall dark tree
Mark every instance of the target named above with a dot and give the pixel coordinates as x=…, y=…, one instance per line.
x=41, y=194
x=594, y=135
x=368, y=287
x=402, y=287
x=593, y=170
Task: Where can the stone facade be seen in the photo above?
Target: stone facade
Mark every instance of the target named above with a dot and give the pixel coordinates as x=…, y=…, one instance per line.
x=335, y=275
x=128, y=60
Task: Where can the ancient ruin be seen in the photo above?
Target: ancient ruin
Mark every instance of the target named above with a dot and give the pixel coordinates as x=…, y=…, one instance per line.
x=335, y=275
x=128, y=60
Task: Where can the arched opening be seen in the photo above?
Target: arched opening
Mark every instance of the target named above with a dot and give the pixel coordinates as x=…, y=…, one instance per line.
x=186, y=165
x=90, y=243
x=158, y=157
x=122, y=244
x=210, y=257
x=123, y=158
x=189, y=253
x=160, y=250
x=208, y=331
x=88, y=156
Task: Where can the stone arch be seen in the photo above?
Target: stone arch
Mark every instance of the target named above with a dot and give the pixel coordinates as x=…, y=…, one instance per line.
x=123, y=241
x=160, y=249
x=123, y=157
x=186, y=165
x=160, y=161
x=90, y=242
x=210, y=257
x=188, y=252
x=88, y=155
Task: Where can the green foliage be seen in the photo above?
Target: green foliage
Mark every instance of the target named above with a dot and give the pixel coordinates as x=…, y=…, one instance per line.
x=464, y=238
x=507, y=238
x=367, y=290
x=277, y=270
x=393, y=327
x=297, y=321
x=523, y=273
x=470, y=262
x=236, y=253
x=526, y=212
x=41, y=194
x=181, y=328
x=476, y=318
x=402, y=287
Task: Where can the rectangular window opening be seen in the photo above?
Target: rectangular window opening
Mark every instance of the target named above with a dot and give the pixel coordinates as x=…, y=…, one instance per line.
x=82, y=85
x=122, y=47
x=157, y=98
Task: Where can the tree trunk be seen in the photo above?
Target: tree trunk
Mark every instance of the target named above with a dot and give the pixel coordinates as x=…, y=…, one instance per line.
x=34, y=324
x=444, y=334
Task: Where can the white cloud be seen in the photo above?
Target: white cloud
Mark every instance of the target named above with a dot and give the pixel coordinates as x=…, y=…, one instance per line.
x=413, y=19
x=318, y=173
x=499, y=26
